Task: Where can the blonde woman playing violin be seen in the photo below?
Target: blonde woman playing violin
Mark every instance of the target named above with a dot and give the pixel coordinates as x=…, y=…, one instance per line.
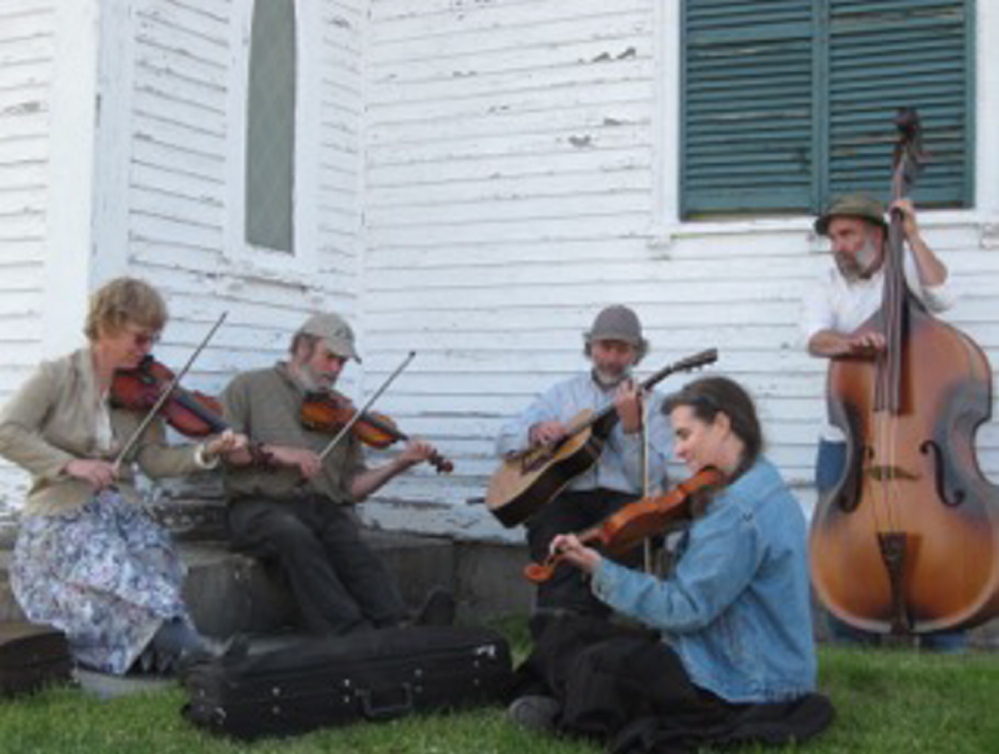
x=88, y=559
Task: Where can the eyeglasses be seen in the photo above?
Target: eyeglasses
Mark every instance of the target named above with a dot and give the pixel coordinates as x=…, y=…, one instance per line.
x=144, y=338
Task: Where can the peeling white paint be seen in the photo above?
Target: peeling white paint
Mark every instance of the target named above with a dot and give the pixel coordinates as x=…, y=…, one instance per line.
x=477, y=178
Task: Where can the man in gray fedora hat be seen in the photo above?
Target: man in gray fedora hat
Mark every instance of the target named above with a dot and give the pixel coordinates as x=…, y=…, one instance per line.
x=287, y=505
x=844, y=298
x=614, y=344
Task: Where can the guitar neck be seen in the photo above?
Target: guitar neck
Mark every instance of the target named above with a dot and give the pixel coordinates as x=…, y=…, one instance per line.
x=700, y=359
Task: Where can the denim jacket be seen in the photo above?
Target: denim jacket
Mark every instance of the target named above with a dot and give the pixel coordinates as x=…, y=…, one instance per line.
x=737, y=608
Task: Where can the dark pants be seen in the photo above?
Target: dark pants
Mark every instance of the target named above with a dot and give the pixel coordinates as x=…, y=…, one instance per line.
x=830, y=464
x=339, y=583
x=571, y=513
x=627, y=688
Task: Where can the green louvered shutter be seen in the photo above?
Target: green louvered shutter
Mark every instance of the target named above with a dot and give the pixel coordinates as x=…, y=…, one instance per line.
x=748, y=139
x=789, y=102
x=889, y=54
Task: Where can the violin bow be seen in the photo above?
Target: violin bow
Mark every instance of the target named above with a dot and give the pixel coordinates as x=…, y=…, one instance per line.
x=646, y=406
x=360, y=412
x=164, y=396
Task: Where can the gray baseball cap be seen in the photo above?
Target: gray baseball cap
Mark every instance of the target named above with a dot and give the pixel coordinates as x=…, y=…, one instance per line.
x=852, y=205
x=335, y=330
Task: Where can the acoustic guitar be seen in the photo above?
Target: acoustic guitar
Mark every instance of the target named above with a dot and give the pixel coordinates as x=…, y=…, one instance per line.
x=525, y=481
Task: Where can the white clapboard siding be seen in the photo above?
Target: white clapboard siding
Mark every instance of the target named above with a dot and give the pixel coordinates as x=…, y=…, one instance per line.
x=26, y=49
x=481, y=177
x=510, y=152
x=181, y=177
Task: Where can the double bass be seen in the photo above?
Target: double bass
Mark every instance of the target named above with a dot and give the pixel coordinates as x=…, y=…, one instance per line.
x=907, y=541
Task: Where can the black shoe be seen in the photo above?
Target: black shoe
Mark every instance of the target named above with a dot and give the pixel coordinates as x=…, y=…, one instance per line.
x=187, y=661
x=235, y=647
x=438, y=609
x=536, y=713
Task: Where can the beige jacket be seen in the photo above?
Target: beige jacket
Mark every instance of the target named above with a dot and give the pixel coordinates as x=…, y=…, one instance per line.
x=52, y=419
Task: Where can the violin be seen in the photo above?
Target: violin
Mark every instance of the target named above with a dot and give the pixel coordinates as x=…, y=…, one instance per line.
x=636, y=522
x=191, y=413
x=328, y=412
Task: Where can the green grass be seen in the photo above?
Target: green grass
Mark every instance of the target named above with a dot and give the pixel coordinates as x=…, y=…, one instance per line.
x=887, y=701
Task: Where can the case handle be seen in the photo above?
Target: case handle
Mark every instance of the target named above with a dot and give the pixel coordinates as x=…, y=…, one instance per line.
x=373, y=710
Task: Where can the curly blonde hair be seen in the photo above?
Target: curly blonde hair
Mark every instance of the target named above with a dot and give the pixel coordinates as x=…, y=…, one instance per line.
x=124, y=301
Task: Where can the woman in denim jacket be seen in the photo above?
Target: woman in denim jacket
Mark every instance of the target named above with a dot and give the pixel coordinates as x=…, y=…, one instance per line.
x=734, y=615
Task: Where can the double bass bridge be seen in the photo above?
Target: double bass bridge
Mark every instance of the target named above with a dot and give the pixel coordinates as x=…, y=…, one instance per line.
x=887, y=473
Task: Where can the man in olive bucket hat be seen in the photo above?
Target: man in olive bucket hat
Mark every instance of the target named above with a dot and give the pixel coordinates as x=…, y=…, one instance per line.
x=845, y=297
x=613, y=344
x=287, y=505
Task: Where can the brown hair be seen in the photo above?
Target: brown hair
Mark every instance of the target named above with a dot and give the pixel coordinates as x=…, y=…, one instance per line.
x=306, y=341
x=709, y=396
x=124, y=301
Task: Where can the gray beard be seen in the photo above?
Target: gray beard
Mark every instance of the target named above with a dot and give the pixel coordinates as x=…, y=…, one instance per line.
x=607, y=381
x=861, y=265
x=307, y=380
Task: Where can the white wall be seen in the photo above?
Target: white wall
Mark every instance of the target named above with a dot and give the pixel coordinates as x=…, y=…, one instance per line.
x=522, y=173
x=185, y=177
x=150, y=96
x=26, y=45
x=477, y=179
x=48, y=113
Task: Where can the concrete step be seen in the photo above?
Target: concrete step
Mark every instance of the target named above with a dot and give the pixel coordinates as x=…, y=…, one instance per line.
x=229, y=593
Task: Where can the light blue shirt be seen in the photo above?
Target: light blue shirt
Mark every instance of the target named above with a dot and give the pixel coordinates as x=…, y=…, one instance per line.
x=620, y=464
x=737, y=607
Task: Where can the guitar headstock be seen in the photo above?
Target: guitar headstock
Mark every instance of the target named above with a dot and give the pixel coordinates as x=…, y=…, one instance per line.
x=708, y=356
x=703, y=358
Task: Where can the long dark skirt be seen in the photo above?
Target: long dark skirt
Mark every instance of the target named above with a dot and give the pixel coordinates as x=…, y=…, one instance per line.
x=626, y=688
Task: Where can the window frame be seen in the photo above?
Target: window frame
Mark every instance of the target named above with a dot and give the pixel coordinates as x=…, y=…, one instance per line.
x=298, y=264
x=666, y=225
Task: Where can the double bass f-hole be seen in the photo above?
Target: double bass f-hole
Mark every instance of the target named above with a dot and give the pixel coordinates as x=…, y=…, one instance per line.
x=939, y=474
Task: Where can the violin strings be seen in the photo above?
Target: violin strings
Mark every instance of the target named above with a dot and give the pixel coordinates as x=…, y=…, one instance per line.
x=880, y=506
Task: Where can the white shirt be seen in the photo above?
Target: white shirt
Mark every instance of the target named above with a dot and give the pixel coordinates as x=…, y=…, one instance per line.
x=841, y=305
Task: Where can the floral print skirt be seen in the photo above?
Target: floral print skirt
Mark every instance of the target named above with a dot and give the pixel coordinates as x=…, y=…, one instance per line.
x=107, y=575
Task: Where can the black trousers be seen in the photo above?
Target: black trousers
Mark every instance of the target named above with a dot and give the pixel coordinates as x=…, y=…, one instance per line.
x=571, y=513
x=624, y=687
x=339, y=583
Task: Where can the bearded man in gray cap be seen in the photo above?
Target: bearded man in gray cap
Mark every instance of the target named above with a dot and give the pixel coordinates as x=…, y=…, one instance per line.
x=845, y=297
x=614, y=344
x=286, y=504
